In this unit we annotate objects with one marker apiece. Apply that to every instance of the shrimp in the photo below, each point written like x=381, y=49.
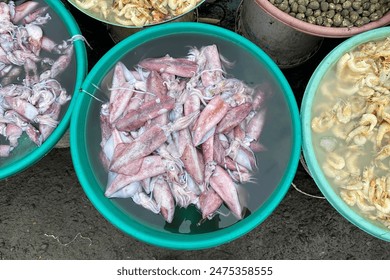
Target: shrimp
x=383, y=129
x=366, y=125
x=323, y=122
x=336, y=161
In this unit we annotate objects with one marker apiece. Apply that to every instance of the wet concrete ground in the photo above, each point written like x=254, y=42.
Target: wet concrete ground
x=44, y=213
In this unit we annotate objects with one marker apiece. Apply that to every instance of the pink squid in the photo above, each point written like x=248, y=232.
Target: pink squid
x=223, y=185
x=164, y=198
x=177, y=66
x=121, y=93
x=149, y=141
x=212, y=114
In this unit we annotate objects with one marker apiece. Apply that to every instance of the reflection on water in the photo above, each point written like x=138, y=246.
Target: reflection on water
x=190, y=221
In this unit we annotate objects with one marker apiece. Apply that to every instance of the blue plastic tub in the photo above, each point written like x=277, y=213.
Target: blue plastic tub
x=62, y=26
x=369, y=226
x=282, y=137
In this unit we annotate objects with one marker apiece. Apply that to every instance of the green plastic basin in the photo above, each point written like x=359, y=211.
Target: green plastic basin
x=281, y=136
x=27, y=153
x=316, y=172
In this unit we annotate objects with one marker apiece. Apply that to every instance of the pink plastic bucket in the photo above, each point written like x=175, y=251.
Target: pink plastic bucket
x=316, y=30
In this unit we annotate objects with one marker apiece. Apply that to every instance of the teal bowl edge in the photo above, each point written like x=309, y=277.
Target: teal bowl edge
x=308, y=151
x=51, y=141
x=134, y=228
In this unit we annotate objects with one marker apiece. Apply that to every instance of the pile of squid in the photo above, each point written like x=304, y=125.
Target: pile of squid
x=30, y=94
x=178, y=132
x=137, y=12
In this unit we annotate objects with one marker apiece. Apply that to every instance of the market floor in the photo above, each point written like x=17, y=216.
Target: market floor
x=44, y=213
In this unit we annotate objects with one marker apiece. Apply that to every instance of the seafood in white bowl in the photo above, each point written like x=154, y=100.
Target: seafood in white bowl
x=136, y=13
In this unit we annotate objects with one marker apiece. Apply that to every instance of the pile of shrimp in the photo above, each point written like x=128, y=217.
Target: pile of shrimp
x=138, y=12
x=178, y=132
x=353, y=123
x=30, y=94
